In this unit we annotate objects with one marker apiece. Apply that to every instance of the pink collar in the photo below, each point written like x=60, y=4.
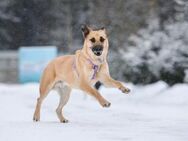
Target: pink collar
x=94, y=67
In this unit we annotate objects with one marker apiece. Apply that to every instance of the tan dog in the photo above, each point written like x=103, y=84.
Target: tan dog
x=80, y=71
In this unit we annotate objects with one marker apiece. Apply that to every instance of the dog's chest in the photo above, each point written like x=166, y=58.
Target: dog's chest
x=93, y=73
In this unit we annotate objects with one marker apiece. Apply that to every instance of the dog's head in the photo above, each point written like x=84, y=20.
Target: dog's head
x=95, y=42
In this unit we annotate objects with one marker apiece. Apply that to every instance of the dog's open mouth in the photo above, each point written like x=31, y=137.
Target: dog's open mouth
x=97, y=50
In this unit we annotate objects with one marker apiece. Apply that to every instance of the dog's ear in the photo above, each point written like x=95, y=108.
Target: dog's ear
x=85, y=30
x=104, y=29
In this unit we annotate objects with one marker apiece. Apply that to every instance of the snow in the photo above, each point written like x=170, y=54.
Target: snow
x=154, y=112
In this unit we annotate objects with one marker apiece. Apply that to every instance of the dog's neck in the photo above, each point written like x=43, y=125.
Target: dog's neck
x=96, y=61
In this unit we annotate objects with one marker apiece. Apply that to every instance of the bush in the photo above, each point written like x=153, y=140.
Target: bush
x=156, y=54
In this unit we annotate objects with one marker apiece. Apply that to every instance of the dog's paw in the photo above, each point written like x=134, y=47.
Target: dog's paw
x=35, y=119
x=64, y=121
x=107, y=104
x=125, y=90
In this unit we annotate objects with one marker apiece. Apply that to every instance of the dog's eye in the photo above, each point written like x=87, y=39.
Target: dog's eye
x=102, y=39
x=92, y=40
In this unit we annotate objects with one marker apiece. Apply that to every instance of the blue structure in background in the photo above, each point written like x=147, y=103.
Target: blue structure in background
x=32, y=61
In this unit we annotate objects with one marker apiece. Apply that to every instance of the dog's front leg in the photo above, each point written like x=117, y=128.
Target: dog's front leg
x=110, y=82
x=93, y=92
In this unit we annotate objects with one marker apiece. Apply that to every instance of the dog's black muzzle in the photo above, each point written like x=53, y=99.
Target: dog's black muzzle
x=97, y=50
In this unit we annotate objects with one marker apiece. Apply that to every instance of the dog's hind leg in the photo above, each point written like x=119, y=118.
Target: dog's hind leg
x=64, y=93
x=46, y=84
x=43, y=94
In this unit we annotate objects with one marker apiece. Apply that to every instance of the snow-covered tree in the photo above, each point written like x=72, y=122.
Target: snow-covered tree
x=158, y=54
x=7, y=19
x=159, y=51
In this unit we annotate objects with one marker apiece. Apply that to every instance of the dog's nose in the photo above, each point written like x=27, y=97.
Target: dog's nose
x=97, y=50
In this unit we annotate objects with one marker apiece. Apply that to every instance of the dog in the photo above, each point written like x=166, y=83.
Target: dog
x=80, y=71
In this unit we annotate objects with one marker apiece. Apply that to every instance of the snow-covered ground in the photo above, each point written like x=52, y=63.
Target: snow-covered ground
x=154, y=112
